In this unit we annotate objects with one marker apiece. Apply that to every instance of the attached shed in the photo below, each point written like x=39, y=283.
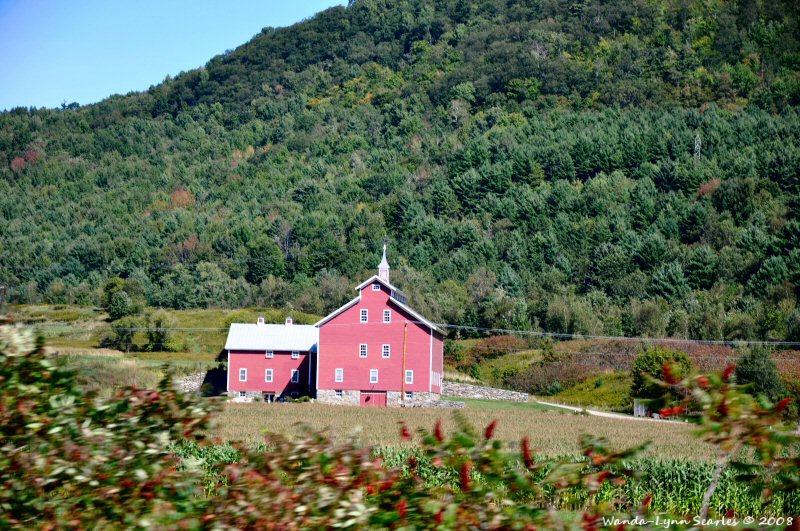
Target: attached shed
x=270, y=361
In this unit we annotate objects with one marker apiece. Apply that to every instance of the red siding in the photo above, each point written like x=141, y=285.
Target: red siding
x=339, y=341
x=281, y=364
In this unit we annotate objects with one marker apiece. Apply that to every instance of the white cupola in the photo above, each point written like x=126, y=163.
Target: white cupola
x=383, y=267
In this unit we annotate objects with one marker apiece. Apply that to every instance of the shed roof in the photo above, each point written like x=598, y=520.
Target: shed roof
x=280, y=337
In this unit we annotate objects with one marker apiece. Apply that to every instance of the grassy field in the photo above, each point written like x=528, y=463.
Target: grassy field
x=551, y=432
x=607, y=391
x=73, y=328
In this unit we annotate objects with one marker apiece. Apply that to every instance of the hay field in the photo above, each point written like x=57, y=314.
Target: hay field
x=551, y=432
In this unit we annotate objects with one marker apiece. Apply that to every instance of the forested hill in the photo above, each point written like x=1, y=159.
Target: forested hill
x=627, y=166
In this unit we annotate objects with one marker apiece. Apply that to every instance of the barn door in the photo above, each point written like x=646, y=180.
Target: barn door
x=373, y=398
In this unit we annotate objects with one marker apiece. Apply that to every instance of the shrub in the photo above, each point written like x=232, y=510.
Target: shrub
x=159, y=337
x=122, y=334
x=496, y=346
x=70, y=458
x=120, y=305
x=648, y=367
x=757, y=370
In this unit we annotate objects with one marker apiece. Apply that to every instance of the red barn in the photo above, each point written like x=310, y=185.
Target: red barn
x=269, y=361
x=373, y=351
x=376, y=350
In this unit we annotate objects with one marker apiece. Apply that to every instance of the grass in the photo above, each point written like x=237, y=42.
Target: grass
x=492, y=371
x=76, y=327
x=607, y=391
x=501, y=405
x=551, y=432
x=105, y=374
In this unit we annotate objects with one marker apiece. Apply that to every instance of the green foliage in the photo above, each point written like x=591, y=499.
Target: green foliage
x=522, y=158
x=610, y=391
x=758, y=372
x=648, y=369
x=159, y=336
x=67, y=455
x=120, y=305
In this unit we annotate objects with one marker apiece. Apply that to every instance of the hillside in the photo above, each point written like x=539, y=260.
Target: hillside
x=624, y=167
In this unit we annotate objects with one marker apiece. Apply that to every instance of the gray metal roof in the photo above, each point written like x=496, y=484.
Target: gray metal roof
x=280, y=337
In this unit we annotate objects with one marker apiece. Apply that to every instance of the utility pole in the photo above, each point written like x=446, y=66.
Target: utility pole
x=403, y=375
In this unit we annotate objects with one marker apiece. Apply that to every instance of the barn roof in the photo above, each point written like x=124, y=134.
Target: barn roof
x=419, y=318
x=416, y=315
x=280, y=337
x=376, y=278
x=336, y=312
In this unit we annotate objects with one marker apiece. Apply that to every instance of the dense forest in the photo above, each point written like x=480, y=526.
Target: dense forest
x=580, y=166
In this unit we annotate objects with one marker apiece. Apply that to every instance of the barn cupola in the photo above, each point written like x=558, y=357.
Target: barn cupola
x=383, y=267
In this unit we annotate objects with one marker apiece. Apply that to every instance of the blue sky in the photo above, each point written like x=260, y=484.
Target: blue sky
x=85, y=50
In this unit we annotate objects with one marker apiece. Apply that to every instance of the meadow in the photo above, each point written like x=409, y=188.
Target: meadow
x=551, y=432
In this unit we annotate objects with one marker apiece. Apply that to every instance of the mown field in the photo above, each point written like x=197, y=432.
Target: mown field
x=552, y=432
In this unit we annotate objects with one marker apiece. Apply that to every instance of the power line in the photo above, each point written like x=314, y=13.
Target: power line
x=505, y=331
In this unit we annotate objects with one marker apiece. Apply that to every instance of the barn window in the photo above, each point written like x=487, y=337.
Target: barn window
x=339, y=375
x=376, y=287
x=295, y=376
x=242, y=394
x=242, y=375
x=268, y=375
x=339, y=393
x=364, y=316
x=387, y=351
x=373, y=376
x=362, y=350
x=409, y=377
x=270, y=354
x=409, y=395
x=295, y=355
x=387, y=316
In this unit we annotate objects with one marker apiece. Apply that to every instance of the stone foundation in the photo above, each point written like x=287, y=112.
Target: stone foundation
x=353, y=398
x=250, y=396
x=348, y=398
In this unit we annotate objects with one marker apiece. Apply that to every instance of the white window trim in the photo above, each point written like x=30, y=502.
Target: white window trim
x=242, y=394
x=295, y=354
x=339, y=393
x=269, y=375
x=409, y=395
x=338, y=375
x=409, y=372
x=295, y=376
x=242, y=372
x=387, y=314
x=376, y=287
x=373, y=372
x=364, y=316
x=270, y=354
x=363, y=350
x=386, y=351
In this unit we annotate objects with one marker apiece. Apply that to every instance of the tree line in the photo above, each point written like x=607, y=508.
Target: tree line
x=625, y=168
